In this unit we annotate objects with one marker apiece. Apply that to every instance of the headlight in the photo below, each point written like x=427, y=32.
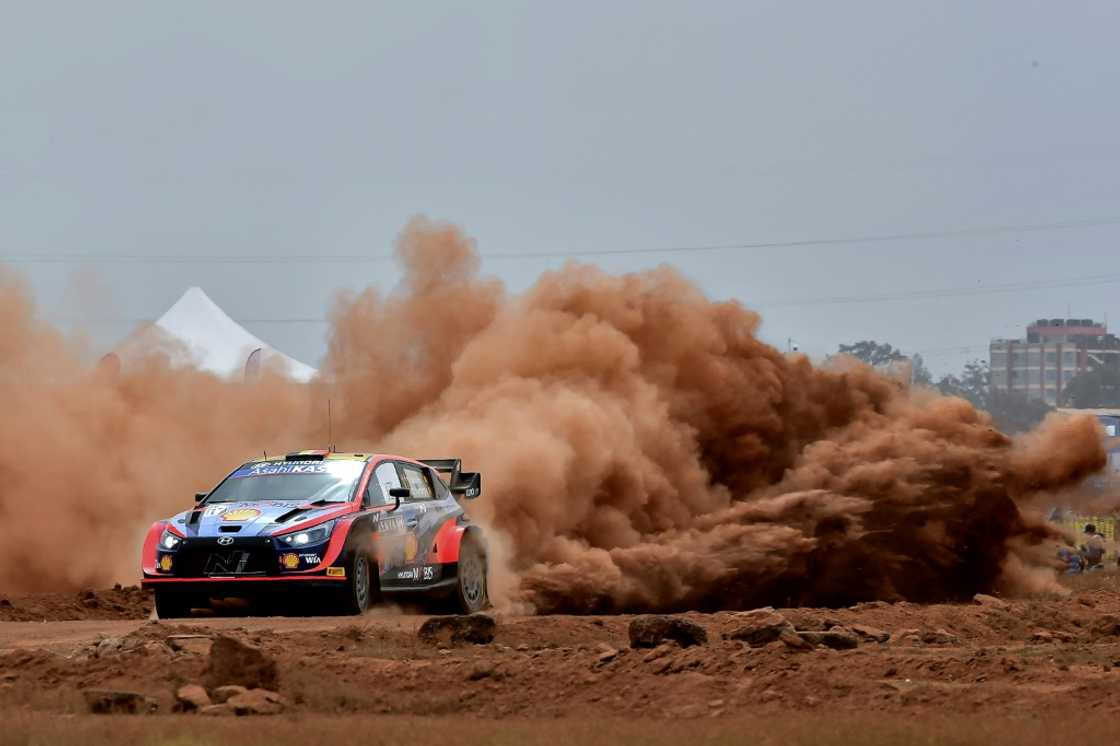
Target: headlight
x=169, y=540
x=316, y=535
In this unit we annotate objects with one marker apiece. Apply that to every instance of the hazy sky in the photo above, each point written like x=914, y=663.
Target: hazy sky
x=271, y=128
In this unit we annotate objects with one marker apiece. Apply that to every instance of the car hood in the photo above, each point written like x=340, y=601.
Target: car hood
x=259, y=518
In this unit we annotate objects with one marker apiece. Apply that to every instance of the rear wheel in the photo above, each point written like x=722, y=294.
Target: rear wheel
x=470, y=590
x=172, y=604
x=359, y=585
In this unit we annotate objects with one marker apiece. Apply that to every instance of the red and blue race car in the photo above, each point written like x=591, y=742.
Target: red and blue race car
x=345, y=528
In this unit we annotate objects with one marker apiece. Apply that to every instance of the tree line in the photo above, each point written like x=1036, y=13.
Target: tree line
x=1011, y=411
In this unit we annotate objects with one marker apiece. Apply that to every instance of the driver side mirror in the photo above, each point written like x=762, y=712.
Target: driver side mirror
x=199, y=497
x=397, y=493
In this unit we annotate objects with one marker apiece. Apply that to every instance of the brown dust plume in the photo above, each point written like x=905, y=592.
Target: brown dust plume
x=641, y=448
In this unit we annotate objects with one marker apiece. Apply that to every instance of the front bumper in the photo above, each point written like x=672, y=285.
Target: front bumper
x=249, y=559
x=246, y=587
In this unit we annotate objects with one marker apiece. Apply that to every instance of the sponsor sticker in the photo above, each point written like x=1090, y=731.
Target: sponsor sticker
x=290, y=561
x=311, y=559
x=336, y=572
x=411, y=547
x=240, y=514
x=429, y=572
x=165, y=563
x=393, y=525
x=266, y=468
x=213, y=510
x=413, y=573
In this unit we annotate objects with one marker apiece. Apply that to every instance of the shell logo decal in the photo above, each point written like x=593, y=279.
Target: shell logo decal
x=411, y=547
x=241, y=514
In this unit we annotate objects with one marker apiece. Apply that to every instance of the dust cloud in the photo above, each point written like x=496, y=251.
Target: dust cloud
x=641, y=448
x=89, y=459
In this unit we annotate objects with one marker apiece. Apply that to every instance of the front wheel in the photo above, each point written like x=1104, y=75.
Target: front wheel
x=470, y=590
x=171, y=604
x=359, y=584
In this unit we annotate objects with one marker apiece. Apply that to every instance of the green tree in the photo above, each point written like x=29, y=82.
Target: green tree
x=1099, y=387
x=973, y=384
x=919, y=373
x=1012, y=412
x=872, y=353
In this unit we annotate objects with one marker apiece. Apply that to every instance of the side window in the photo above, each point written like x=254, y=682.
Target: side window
x=442, y=493
x=385, y=478
x=417, y=482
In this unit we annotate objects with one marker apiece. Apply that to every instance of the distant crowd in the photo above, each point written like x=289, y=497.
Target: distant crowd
x=1089, y=556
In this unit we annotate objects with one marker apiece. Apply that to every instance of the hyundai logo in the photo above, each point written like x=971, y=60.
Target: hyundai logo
x=225, y=541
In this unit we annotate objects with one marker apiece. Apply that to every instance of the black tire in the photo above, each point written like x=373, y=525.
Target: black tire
x=471, y=588
x=171, y=604
x=358, y=594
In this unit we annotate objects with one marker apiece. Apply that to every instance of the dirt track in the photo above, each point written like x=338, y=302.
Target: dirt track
x=1018, y=656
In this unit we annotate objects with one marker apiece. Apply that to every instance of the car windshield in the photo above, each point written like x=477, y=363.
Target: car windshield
x=310, y=481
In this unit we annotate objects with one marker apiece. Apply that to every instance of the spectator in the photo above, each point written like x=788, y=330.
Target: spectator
x=1092, y=551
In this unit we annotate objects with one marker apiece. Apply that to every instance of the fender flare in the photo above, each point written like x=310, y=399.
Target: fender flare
x=359, y=536
x=148, y=552
x=449, y=539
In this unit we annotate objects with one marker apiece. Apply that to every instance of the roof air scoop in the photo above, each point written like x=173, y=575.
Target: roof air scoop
x=304, y=457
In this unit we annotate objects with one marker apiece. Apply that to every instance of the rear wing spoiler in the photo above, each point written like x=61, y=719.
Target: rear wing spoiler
x=466, y=484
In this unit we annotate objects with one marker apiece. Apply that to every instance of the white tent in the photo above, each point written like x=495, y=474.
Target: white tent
x=196, y=331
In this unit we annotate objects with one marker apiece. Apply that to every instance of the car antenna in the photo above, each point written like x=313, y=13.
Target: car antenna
x=330, y=429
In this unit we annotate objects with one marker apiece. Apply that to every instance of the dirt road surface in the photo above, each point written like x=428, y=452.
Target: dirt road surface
x=946, y=663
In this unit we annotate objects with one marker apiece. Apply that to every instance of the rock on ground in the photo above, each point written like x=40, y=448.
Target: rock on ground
x=248, y=702
x=459, y=628
x=222, y=693
x=870, y=634
x=115, y=702
x=926, y=637
x=256, y=702
x=760, y=626
x=651, y=630
x=191, y=697
x=990, y=602
x=234, y=662
x=837, y=638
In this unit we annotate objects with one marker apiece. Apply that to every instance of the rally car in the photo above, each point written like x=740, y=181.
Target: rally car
x=345, y=527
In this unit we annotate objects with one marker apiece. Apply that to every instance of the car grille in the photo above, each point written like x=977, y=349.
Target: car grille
x=200, y=558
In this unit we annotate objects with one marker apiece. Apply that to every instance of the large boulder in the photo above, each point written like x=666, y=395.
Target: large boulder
x=234, y=662
x=116, y=702
x=654, y=629
x=759, y=627
x=459, y=628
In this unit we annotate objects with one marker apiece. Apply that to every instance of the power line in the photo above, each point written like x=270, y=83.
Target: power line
x=63, y=257
x=1010, y=287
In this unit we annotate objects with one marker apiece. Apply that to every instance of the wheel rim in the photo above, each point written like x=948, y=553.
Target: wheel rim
x=361, y=582
x=472, y=577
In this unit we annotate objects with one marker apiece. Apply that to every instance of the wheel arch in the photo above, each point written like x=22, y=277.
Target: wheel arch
x=449, y=540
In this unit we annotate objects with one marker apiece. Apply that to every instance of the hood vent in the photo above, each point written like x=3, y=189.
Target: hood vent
x=290, y=515
x=229, y=529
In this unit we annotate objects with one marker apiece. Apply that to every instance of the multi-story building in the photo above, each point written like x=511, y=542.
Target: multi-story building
x=1054, y=351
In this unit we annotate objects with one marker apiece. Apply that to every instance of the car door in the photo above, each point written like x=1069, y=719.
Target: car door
x=423, y=519
x=392, y=526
